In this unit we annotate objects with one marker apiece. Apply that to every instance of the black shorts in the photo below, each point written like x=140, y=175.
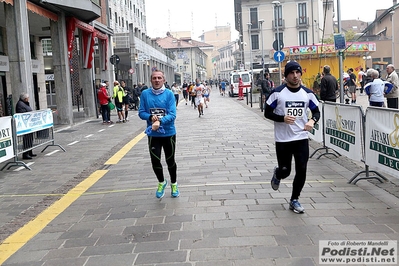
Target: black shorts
x=119, y=106
x=126, y=100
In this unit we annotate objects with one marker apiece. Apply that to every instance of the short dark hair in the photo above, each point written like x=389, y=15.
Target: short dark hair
x=326, y=69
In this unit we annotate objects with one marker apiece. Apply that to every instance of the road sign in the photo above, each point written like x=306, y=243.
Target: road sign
x=279, y=56
x=143, y=57
x=339, y=41
x=131, y=71
x=114, y=59
x=275, y=45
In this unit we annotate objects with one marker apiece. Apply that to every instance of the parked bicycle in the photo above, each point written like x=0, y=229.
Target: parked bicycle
x=346, y=92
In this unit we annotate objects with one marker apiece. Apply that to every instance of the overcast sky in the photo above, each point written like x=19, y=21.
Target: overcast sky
x=198, y=16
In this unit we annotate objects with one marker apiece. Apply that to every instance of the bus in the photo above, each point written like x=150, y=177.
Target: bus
x=235, y=75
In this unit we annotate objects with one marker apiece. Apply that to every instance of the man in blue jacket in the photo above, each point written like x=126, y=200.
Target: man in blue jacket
x=158, y=108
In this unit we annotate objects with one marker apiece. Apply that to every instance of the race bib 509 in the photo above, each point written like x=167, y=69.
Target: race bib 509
x=293, y=108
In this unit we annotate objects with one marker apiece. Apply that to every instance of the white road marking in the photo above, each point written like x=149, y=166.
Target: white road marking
x=51, y=153
x=23, y=167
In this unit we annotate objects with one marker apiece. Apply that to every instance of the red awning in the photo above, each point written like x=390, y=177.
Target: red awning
x=88, y=35
x=40, y=11
x=11, y=2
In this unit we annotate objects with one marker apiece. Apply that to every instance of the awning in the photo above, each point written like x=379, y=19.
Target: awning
x=86, y=10
x=40, y=11
x=88, y=40
x=11, y=2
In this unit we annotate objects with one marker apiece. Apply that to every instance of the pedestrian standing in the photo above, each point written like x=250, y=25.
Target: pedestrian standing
x=352, y=84
x=126, y=98
x=176, y=91
x=185, y=93
x=136, y=95
x=286, y=106
x=118, y=96
x=223, y=87
x=328, y=86
x=392, y=97
x=361, y=77
x=375, y=89
x=104, y=99
x=158, y=108
x=240, y=89
x=23, y=106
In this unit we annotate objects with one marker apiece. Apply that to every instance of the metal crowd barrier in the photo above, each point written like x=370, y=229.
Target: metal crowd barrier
x=371, y=137
x=27, y=131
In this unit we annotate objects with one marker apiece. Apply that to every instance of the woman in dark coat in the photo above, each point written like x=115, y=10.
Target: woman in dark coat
x=24, y=107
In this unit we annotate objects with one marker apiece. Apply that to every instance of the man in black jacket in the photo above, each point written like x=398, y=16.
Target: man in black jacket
x=328, y=86
x=23, y=106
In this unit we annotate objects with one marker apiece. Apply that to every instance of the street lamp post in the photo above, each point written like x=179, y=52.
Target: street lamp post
x=250, y=56
x=250, y=45
x=263, y=52
x=242, y=53
x=263, y=62
x=277, y=23
x=393, y=38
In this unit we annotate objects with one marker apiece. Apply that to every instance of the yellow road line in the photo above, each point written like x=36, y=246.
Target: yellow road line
x=122, y=152
x=150, y=188
x=15, y=241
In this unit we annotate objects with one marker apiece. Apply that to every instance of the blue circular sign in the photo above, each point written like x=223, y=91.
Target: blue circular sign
x=279, y=56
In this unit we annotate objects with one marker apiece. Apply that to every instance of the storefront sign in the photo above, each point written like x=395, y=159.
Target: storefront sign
x=4, y=63
x=35, y=66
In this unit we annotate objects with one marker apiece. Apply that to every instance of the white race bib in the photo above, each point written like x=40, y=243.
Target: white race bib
x=295, y=108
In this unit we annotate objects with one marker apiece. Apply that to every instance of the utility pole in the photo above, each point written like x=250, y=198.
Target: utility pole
x=277, y=23
x=263, y=51
x=341, y=82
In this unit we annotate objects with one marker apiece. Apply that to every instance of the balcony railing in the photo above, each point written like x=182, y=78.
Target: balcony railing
x=97, y=2
x=302, y=22
x=280, y=23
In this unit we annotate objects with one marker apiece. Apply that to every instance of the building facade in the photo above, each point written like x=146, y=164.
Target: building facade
x=50, y=33
x=228, y=60
x=385, y=34
x=67, y=49
x=289, y=22
x=218, y=38
x=190, y=57
x=138, y=53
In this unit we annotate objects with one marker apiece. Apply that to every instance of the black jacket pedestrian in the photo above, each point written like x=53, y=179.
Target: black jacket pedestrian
x=22, y=107
x=328, y=88
x=27, y=139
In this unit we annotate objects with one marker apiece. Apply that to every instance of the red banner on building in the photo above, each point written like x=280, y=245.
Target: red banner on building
x=88, y=40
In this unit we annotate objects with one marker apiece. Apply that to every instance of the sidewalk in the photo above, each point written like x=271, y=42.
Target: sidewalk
x=227, y=213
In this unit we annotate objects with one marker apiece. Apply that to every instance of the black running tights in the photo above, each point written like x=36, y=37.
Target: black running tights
x=300, y=150
x=155, y=145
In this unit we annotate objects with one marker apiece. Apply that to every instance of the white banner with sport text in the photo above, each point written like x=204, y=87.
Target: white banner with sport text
x=33, y=121
x=382, y=139
x=344, y=129
x=316, y=133
x=6, y=141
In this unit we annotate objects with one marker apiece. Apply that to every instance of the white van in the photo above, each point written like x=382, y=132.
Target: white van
x=235, y=76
